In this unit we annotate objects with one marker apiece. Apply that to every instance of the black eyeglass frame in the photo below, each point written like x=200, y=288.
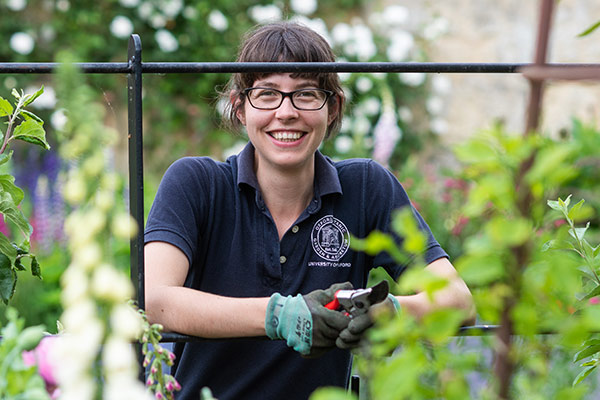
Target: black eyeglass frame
x=328, y=95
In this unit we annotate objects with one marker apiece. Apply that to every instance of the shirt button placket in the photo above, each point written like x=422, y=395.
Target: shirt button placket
x=282, y=259
x=295, y=229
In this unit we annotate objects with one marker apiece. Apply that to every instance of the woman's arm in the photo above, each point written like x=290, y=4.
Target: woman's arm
x=192, y=312
x=455, y=295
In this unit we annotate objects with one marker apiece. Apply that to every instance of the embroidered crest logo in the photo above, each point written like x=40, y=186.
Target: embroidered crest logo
x=330, y=238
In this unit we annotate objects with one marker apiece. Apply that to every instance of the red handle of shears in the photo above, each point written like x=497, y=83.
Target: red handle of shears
x=334, y=304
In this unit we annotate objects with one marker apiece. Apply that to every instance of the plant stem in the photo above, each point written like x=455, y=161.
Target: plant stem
x=11, y=121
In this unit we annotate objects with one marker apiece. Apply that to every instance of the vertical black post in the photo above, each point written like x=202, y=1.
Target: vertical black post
x=136, y=173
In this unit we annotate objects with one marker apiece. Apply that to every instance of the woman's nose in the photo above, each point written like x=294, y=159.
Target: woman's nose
x=287, y=110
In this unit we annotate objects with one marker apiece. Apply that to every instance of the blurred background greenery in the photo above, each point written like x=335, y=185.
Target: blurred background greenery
x=393, y=118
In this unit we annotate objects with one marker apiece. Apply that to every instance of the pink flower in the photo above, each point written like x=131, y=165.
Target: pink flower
x=594, y=300
x=40, y=356
x=170, y=386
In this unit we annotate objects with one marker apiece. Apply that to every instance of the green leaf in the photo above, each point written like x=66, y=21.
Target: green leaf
x=29, y=115
x=590, y=29
x=7, y=248
x=13, y=214
x=4, y=158
x=30, y=98
x=480, y=269
x=35, y=268
x=593, y=293
x=7, y=184
x=8, y=279
x=331, y=393
x=31, y=131
x=5, y=107
x=509, y=232
x=555, y=205
x=579, y=233
x=575, y=209
x=591, y=347
x=583, y=374
x=19, y=265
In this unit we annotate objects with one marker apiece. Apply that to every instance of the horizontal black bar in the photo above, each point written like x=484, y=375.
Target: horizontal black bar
x=233, y=67
x=475, y=330
x=47, y=68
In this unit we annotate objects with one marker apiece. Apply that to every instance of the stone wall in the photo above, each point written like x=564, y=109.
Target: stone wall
x=504, y=31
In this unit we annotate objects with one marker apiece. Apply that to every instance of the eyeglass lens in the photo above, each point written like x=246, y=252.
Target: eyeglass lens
x=303, y=99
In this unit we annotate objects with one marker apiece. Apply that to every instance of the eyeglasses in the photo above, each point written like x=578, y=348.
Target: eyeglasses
x=265, y=98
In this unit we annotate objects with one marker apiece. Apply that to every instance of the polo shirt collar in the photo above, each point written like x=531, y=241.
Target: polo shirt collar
x=327, y=180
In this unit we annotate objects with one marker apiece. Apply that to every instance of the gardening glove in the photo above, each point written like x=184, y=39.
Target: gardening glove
x=303, y=321
x=351, y=337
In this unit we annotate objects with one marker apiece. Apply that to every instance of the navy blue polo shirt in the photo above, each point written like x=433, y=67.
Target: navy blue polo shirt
x=214, y=212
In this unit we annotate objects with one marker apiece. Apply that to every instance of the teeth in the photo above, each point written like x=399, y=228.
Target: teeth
x=291, y=136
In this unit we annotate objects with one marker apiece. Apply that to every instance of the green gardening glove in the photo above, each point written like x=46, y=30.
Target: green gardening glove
x=303, y=321
x=351, y=337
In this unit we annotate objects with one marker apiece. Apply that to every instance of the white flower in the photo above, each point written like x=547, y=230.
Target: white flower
x=126, y=322
x=121, y=27
x=88, y=255
x=78, y=316
x=16, y=5
x=129, y=3
x=217, y=21
x=75, y=285
x=58, y=119
x=263, y=14
x=361, y=126
x=120, y=387
x=439, y=126
x=190, y=12
x=412, y=78
x=371, y=106
x=166, y=41
x=401, y=43
x=441, y=84
x=158, y=21
x=363, y=39
x=145, y=10
x=22, y=43
x=405, y=114
x=304, y=7
x=436, y=28
x=341, y=33
x=343, y=144
x=110, y=284
x=364, y=84
x=316, y=24
x=434, y=105
x=395, y=15
x=171, y=8
x=124, y=226
x=63, y=5
x=78, y=389
x=118, y=357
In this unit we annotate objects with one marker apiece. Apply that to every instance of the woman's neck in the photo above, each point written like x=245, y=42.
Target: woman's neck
x=286, y=193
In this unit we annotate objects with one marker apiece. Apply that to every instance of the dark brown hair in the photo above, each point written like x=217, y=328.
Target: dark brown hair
x=282, y=42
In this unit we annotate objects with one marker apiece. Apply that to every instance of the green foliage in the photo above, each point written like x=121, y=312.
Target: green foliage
x=589, y=257
x=17, y=380
x=155, y=357
x=21, y=125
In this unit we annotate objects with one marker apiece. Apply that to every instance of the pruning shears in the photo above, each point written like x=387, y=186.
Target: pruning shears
x=357, y=302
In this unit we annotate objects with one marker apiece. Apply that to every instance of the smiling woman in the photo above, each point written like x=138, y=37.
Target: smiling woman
x=258, y=245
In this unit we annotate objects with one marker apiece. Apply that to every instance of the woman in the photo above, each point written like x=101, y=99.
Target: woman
x=258, y=245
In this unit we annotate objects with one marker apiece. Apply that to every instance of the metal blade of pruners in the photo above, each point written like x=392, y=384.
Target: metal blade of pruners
x=357, y=302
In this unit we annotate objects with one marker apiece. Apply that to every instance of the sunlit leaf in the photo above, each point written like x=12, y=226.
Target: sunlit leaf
x=33, y=132
x=575, y=209
x=29, y=115
x=5, y=107
x=7, y=184
x=13, y=214
x=579, y=233
x=480, y=269
x=591, y=347
x=30, y=98
x=7, y=248
x=555, y=205
x=331, y=393
x=583, y=374
x=509, y=232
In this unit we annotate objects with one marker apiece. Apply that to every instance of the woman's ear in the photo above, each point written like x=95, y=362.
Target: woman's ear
x=333, y=109
x=237, y=106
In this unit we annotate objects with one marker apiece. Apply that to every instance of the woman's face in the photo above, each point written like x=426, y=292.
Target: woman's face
x=285, y=138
